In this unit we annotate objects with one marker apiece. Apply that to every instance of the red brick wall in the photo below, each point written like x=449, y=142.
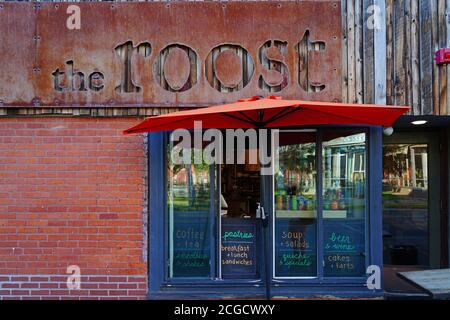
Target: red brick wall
x=72, y=193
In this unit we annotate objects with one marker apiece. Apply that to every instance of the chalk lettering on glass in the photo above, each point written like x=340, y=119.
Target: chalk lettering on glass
x=237, y=235
x=344, y=248
x=238, y=248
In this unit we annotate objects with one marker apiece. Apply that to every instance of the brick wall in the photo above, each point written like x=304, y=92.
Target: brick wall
x=72, y=192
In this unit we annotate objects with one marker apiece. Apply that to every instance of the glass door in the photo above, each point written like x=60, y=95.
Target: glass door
x=240, y=230
x=411, y=216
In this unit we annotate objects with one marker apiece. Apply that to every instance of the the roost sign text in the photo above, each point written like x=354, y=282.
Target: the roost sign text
x=170, y=54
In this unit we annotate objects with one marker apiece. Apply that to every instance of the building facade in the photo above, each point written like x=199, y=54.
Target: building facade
x=80, y=198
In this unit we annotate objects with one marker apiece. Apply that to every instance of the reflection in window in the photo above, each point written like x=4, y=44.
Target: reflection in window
x=405, y=204
x=295, y=206
x=344, y=202
x=189, y=206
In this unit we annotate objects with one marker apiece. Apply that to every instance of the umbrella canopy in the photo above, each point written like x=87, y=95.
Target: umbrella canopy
x=273, y=112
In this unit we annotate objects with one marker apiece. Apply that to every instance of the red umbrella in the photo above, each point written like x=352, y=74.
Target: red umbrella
x=273, y=112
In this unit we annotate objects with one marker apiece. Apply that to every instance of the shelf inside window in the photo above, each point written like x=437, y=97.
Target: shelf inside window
x=308, y=214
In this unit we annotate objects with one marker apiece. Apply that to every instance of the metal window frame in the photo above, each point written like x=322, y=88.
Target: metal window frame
x=159, y=287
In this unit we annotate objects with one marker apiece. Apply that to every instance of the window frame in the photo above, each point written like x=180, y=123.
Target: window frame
x=320, y=276
x=160, y=286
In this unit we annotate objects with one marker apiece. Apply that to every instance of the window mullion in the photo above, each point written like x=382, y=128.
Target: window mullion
x=319, y=191
x=212, y=225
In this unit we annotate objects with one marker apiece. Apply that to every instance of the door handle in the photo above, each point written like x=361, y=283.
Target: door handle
x=260, y=213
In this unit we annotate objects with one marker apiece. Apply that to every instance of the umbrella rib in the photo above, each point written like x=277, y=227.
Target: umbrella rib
x=282, y=113
x=246, y=116
x=275, y=116
x=260, y=116
x=239, y=119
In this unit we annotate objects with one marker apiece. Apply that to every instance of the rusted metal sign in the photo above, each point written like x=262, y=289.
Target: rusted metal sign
x=168, y=54
x=17, y=53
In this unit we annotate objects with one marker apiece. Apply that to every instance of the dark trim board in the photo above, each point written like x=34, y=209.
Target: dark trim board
x=444, y=170
x=156, y=207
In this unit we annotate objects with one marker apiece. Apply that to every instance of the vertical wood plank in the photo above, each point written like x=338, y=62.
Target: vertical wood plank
x=434, y=48
x=316, y=47
x=215, y=53
x=415, y=65
x=251, y=65
x=447, y=67
x=442, y=32
x=368, y=54
x=399, y=53
x=380, y=55
x=407, y=53
x=351, y=51
x=164, y=83
x=302, y=49
x=265, y=64
x=194, y=75
x=425, y=57
x=359, y=77
x=209, y=69
x=344, y=51
x=389, y=54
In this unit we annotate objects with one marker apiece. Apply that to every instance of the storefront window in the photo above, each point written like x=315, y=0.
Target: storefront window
x=344, y=203
x=189, y=221
x=295, y=206
x=214, y=225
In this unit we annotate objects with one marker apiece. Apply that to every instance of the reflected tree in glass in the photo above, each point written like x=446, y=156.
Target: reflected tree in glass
x=189, y=212
x=344, y=203
x=295, y=207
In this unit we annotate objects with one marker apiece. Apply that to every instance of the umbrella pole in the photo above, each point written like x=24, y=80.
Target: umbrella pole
x=265, y=225
x=266, y=261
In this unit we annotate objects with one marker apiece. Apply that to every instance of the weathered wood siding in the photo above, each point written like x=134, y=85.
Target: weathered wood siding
x=415, y=30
